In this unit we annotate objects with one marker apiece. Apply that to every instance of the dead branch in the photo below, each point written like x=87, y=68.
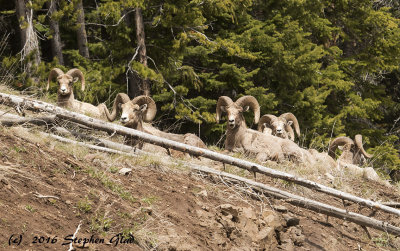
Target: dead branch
x=38, y=195
x=61, y=113
x=96, y=141
x=99, y=148
x=392, y=204
x=74, y=236
x=7, y=119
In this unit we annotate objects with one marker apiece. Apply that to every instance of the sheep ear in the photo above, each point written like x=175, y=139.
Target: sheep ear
x=289, y=123
x=246, y=108
x=120, y=105
x=223, y=108
x=75, y=80
x=143, y=107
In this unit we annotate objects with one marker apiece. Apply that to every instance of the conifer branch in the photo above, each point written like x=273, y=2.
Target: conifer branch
x=112, y=25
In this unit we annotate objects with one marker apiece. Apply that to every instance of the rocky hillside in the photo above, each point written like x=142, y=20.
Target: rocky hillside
x=51, y=190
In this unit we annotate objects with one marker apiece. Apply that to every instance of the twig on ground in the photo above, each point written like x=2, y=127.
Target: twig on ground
x=38, y=195
x=74, y=236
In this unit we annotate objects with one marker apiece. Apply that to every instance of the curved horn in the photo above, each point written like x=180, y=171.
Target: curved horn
x=358, y=141
x=290, y=131
x=55, y=72
x=121, y=98
x=76, y=73
x=151, y=107
x=253, y=103
x=290, y=117
x=222, y=101
x=339, y=141
x=266, y=118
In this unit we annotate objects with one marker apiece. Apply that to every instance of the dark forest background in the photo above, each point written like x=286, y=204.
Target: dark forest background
x=334, y=64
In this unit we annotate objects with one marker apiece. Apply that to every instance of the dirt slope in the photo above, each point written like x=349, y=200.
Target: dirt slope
x=163, y=208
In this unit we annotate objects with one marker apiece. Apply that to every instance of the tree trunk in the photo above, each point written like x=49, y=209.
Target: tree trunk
x=20, y=9
x=132, y=78
x=139, y=86
x=29, y=41
x=134, y=86
x=81, y=32
x=56, y=46
x=63, y=114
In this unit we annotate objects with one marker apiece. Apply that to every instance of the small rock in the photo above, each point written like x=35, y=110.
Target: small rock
x=271, y=219
x=297, y=236
x=125, y=171
x=266, y=234
x=230, y=210
x=206, y=208
x=147, y=210
x=68, y=202
x=286, y=241
x=203, y=193
x=280, y=208
x=329, y=176
x=249, y=213
x=250, y=228
x=291, y=220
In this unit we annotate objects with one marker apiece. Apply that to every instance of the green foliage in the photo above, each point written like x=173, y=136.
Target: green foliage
x=84, y=205
x=386, y=157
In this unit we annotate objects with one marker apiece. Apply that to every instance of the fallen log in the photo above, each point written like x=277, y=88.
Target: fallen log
x=265, y=189
x=96, y=141
x=392, y=204
x=94, y=147
x=8, y=119
x=61, y=113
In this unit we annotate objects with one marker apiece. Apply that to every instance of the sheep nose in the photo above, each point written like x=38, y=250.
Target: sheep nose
x=231, y=121
x=63, y=89
x=124, y=119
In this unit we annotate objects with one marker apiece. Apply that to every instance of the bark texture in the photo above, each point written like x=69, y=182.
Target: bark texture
x=56, y=45
x=81, y=32
x=138, y=86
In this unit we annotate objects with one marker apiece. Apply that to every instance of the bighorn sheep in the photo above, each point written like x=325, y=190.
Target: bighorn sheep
x=143, y=109
x=323, y=158
x=66, y=92
x=353, y=151
x=240, y=138
x=279, y=126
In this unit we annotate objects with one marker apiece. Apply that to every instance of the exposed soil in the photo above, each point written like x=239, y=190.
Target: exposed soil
x=163, y=208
